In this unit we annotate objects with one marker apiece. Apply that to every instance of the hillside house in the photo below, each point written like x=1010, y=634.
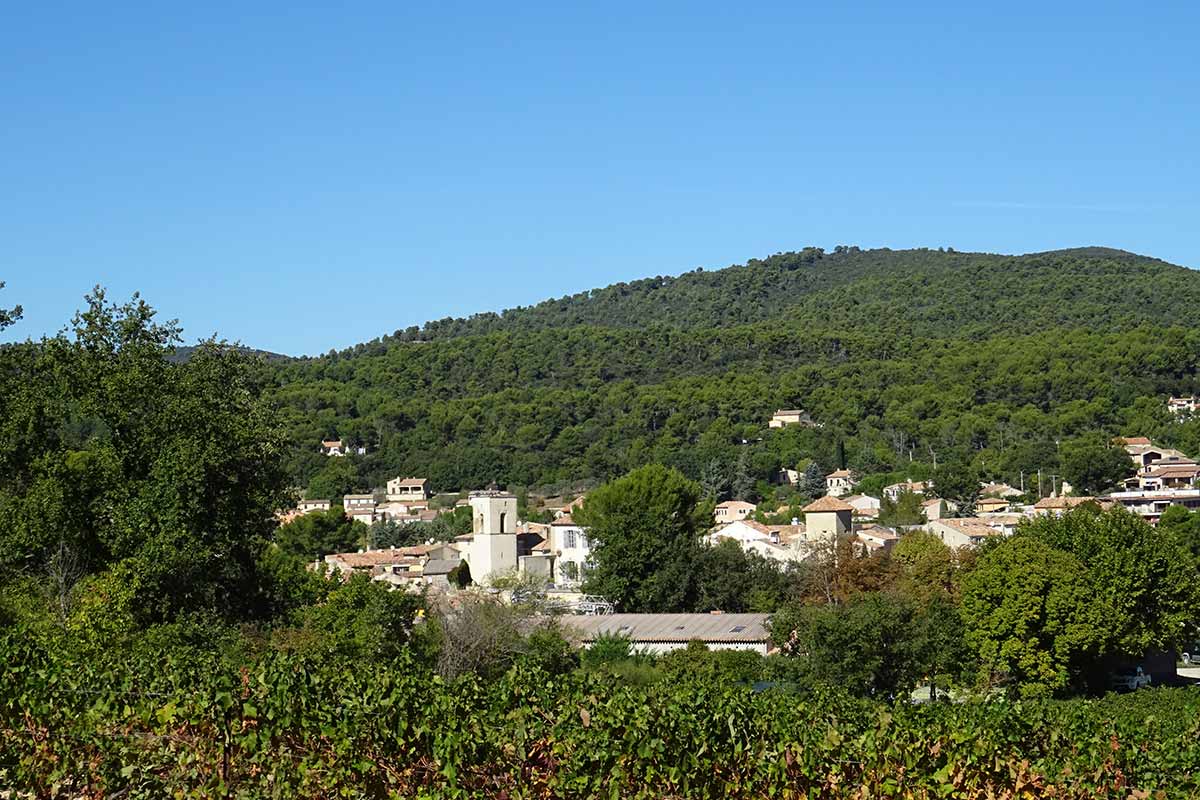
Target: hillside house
x=937, y=507
x=1150, y=505
x=999, y=490
x=785, y=417
x=732, y=510
x=894, y=491
x=1166, y=476
x=333, y=447
x=1183, y=406
x=662, y=633
x=408, y=490
x=839, y=482
x=309, y=506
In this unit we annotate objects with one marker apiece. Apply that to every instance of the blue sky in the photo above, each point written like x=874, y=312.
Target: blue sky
x=306, y=176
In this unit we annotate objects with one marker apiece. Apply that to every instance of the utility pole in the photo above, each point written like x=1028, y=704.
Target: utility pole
x=1022, y=481
x=1039, y=483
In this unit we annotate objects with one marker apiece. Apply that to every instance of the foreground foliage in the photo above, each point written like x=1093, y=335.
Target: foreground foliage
x=301, y=726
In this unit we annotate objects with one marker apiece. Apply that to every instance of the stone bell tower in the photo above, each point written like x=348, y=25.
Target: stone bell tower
x=493, y=551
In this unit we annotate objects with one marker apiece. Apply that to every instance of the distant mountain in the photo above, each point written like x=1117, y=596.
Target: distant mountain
x=184, y=353
x=1042, y=288
x=899, y=354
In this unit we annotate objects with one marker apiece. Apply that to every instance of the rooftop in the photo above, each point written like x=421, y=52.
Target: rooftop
x=674, y=627
x=827, y=503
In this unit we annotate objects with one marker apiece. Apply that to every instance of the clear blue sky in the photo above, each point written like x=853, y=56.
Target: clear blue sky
x=307, y=176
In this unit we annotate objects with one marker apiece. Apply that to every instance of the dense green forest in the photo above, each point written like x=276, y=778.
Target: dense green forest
x=902, y=356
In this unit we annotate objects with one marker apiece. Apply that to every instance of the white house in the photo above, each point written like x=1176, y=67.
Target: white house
x=776, y=542
x=732, y=510
x=308, y=506
x=571, y=550
x=333, y=447
x=1183, y=406
x=411, y=490
x=864, y=505
x=839, y=482
x=894, y=491
x=789, y=416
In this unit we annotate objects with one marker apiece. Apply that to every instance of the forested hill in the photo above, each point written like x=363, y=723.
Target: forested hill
x=1062, y=287
x=990, y=360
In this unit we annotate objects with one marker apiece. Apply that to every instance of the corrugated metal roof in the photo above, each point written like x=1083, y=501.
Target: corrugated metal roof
x=674, y=627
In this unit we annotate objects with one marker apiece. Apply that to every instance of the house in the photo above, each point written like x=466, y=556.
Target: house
x=359, y=507
x=827, y=519
x=309, y=506
x=1163, y=475
x=785, y=476
x=333, y=447
x=785, y=417
x=839, y=482
x=1151, y=504
x=864, y=505
x=571, y=550
x=958, y=532
x=999, y=490
x=894, y=491
x=777, y=542
x=732, y=510
x=873, y=538
x=411, y=490
x=1057, y=506
x=937, y=507
x=1145, y=454
x=1183, y=406
x=399, y=567
x=991, y=505
x=662, y=633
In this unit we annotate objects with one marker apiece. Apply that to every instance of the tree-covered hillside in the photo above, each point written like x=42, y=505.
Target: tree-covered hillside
x=986, y=360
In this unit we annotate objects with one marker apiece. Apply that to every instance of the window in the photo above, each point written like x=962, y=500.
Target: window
x=737, y=629
x=569, y=539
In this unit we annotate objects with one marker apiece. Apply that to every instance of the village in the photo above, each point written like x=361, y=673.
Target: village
x=507, y=555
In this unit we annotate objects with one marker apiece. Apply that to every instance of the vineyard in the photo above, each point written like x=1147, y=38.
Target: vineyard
x=163, y=725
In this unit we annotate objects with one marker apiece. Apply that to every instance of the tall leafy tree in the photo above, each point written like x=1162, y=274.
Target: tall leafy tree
x=161, y=476
x=644, y=529
x=1093, y=466
x=1146, y=577
x=1033, y=617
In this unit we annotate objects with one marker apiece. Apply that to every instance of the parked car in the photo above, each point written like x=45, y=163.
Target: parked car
x=1129, y=682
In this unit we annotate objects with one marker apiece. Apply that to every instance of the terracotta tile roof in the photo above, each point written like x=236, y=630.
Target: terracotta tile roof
x=970, y=526
x=565, y=519
x=418, y=482
x=839, y=473
x=1065, y=502
x=737, y=504
x=827, y=503
x=1175, y=471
